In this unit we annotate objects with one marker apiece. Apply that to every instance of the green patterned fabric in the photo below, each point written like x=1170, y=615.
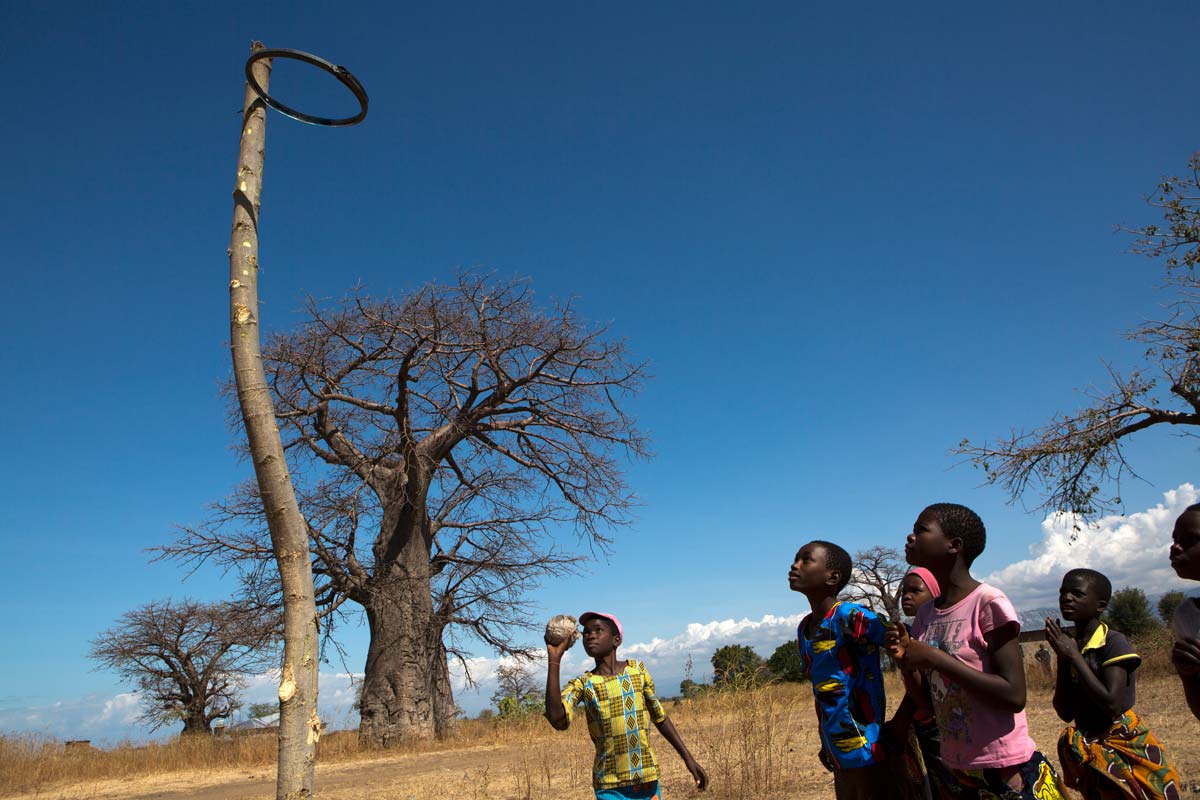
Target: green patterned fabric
x=1127, y=762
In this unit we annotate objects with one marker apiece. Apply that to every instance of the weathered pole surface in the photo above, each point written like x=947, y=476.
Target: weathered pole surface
x=299, y=726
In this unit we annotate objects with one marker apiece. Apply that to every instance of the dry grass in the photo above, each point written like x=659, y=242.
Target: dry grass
x=753, y=743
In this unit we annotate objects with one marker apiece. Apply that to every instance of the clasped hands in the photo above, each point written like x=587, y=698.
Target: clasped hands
x=906, y=651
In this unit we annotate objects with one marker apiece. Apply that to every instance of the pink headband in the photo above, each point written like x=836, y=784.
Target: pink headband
x=927, y=576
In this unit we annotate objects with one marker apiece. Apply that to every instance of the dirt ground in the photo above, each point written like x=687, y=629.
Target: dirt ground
x=552, y=764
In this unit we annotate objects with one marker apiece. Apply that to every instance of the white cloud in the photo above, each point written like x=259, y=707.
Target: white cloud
x=666, y=658
x=123, y=709
x=1131, y=550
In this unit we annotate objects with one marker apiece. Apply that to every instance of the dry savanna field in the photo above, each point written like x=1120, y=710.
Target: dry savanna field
x=754, y=743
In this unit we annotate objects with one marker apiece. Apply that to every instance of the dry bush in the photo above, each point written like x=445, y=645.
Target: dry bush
x=758, y=742
x=30, y=762
x=1155, y=649
x=746, y=736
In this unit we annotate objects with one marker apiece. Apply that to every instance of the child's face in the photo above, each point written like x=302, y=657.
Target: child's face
x=599, y=639
x=927, y=545
x=913, y=594
x=1185, y=546
x=1078, y=601
x=809, y=572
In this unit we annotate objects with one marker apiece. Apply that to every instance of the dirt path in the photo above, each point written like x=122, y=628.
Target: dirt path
x=332, y=781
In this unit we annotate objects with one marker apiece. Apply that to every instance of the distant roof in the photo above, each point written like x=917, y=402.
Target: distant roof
x=259, y=722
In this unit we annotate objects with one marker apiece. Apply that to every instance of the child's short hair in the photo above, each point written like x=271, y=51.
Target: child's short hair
x=960, y=522
x=1095, y=581
x=838, y=559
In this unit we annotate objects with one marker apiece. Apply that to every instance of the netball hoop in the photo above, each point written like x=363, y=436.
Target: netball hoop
x=341, y=73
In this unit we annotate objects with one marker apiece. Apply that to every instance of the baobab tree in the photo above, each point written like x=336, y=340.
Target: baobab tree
x=189, y=659
x=875, y=581
x=439, y=443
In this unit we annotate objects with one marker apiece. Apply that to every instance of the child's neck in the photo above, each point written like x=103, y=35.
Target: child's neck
x=820, y=605
x=955, y=582
x=1084, y=628
x=609, y=665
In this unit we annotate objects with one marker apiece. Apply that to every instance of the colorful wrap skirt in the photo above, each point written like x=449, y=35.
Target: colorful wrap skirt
x=1127, y=762
x=1037, y=779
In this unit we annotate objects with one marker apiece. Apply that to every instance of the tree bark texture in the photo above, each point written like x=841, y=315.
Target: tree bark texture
x=406, y=691
x=299, y=726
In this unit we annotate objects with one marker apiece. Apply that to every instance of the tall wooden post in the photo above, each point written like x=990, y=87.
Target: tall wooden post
x=299, y=726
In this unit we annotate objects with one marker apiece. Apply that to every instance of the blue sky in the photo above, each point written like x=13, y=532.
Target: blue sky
x=845, y=239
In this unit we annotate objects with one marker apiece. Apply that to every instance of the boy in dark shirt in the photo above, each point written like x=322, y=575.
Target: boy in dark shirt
x=1108, y=752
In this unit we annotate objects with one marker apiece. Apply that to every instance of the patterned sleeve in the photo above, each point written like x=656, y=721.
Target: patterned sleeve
x=863, y=626
x=1119, y=650
x=572, y=695
x=996, y=612
x=653, y=706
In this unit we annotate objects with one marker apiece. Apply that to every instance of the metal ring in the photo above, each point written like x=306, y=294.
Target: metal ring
x=341, y=73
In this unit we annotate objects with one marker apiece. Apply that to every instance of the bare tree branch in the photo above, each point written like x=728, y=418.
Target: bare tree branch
x=875, y=581
x=1070, y=460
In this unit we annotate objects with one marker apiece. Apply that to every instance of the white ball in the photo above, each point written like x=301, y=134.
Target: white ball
x=562, y=628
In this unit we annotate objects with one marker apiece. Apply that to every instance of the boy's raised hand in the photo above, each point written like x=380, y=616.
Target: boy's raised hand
x=554, y=652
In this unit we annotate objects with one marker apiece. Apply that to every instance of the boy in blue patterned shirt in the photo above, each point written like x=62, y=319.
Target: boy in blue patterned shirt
x=839, y=643
x=617, y=697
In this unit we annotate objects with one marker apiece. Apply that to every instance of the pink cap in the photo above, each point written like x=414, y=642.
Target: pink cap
x=585, y=616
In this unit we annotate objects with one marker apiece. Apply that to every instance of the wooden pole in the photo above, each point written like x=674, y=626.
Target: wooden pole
x=299, y=726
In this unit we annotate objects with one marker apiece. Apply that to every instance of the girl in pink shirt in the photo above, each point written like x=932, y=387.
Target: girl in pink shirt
x=964, y=644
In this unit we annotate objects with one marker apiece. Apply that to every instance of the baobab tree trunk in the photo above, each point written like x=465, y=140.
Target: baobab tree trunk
x=299, y=726
x=196, y=722
x=406, y=692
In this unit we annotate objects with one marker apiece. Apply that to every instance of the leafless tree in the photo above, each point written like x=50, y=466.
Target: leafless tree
x=876, y=580
x=514, y=681
x=1071, y=458
x=438, y=443
x=188, y=659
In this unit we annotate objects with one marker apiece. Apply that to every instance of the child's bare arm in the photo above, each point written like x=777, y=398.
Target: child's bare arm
x=1060, y=643
x=915, y=704
x=1003, y=688
x=1186, y=658
x=555, y=713
x=667, y=729
x=1061, y=703
x=1107, y=690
